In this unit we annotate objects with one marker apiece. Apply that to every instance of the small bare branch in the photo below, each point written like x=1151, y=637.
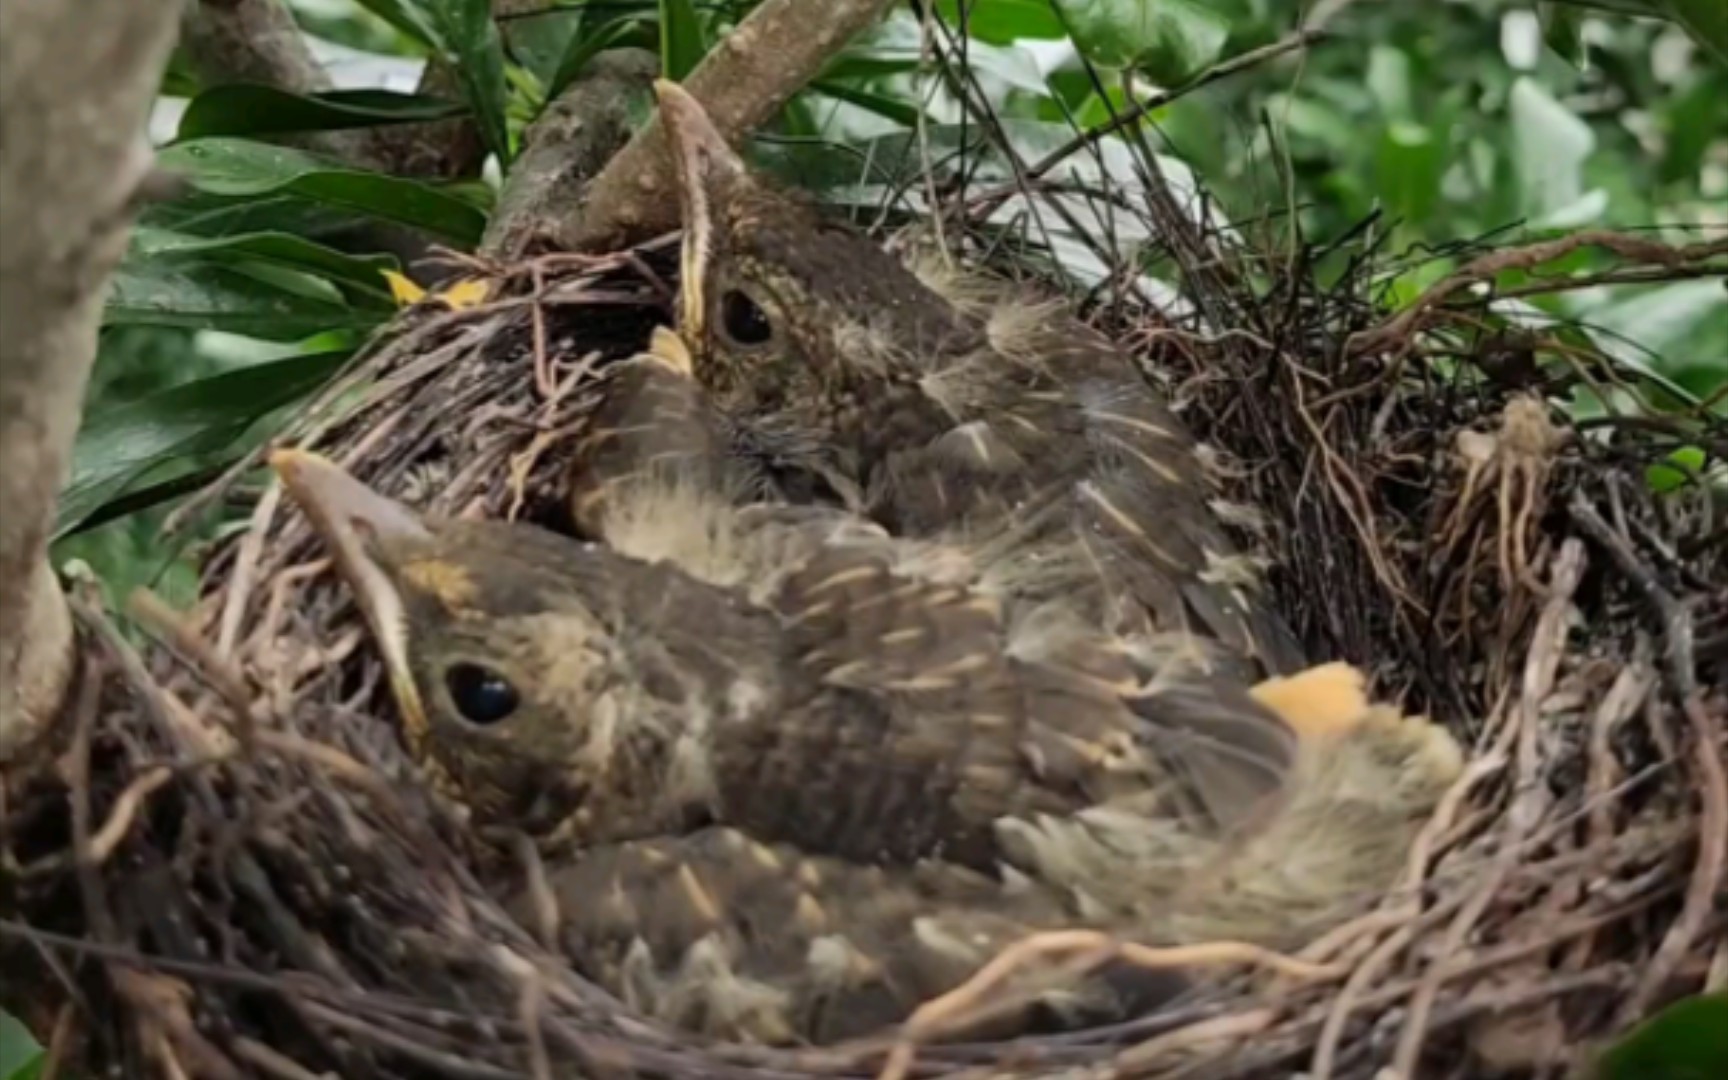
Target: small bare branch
x=566, y=148
x=766, y=59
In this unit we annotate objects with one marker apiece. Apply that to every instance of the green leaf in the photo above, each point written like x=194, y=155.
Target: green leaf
x=219, y=215
x=406, y=16
x=1563, y=30
x=124, y=543
x=1689, y=124
x=363, y=272
x=1688, y=463
x=895, y=109
x=1003, y=22
x=1407, y=167
x=20, y=1055
x=681, y=40
x=243, y=109
x=536, y=43
x=895, y=47
x=1170, y=40
x=1389, y=80
x=122, y=443
x=1686, y=1041
x=1662, y=319
x=31, y=1069
x=1705, y=20
x=589, y=43
x=238, y=300
x=465, y=33
x=1551, y=144
x=239, y=167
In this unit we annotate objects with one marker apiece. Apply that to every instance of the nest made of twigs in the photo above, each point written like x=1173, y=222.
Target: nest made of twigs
x=232, y=871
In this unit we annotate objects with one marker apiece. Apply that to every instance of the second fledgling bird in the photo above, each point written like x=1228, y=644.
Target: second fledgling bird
x=953, y=409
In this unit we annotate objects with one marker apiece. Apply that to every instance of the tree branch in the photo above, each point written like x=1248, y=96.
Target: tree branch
x=566, y=148
x=250, y=41
x=76, y=84
x=753, y=72
x=257, y=41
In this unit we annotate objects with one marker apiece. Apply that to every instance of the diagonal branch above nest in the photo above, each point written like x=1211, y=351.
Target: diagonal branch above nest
x=769, y=56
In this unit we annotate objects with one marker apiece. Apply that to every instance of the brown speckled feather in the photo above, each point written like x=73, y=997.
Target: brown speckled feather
x=935, y=764
x=718, y=933
x=985, y=420
x=913, y=695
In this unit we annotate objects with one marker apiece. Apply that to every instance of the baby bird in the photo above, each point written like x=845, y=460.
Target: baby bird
x=953, y=410
x=799, y=775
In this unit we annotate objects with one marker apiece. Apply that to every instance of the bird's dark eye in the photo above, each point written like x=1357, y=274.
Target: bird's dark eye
x=481, y=695
x=745, y=321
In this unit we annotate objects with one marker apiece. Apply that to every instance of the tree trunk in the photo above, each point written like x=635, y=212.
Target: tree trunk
x=76, y=84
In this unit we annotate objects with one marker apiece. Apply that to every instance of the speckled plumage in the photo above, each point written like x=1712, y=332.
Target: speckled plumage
x=973, y=414
x=898, y=635
x=794, y=775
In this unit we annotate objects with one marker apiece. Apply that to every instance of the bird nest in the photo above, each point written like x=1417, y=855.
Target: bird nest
x=231, y=869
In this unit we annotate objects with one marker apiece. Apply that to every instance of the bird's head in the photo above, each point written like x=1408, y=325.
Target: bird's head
x=552, y=684
x=781, y=306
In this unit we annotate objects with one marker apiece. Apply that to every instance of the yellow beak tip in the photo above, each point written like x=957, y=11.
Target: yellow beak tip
x=285, y=460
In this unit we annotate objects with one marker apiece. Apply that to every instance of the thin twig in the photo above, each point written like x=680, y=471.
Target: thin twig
x=1530, y=798
x=937, y=1015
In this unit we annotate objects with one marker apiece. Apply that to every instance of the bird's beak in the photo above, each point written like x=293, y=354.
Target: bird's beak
x=703, y=164
x=357, y=524
x=666, y=347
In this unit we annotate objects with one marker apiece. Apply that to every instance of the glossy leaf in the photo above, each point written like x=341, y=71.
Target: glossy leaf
x=406, y=16
x=236, y=167
x=1551, y=144
x=465, y=33
x=1170, y=40
x=285, y=249
x=895, y=47
x=1389, y=80
x=1705, y=20
x=590, y=42
x=1686, y=1041
x=1407, y=169
x=203, y=296
x=1003, y=22
x=119, y=444
x=242, y=109
x=1682, y=465
x=681, y=39
x=895, y=109
x=537, y=43
x=200, y=214
x=1563, y=30
x=18, y=1050
x=1690, y=124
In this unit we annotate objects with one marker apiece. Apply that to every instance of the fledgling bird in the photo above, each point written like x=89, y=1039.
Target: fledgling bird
x=953, y=409
x=801, y=775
